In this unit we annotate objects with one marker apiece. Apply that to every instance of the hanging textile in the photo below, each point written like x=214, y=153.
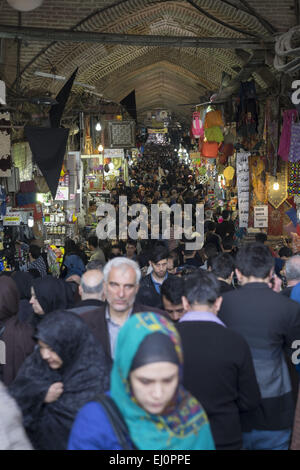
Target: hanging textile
x=275, y=220
x=271, y=133
x=294, y=179
x=214, y=134
x=247, y=112
x=277, y=197
x=5, y=146
x=88, y=146
x=242, y=171
x=197, y=126
x=22, y=158
x=210, y=149
x=294, y=155
x=213, y=118
x=289, y=116
x=259, y=193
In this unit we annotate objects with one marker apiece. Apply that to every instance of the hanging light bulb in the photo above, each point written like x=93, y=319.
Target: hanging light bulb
x=100, y=148
x=30, y=221
x=98, y=126
x=276, y=185
x=25, y=5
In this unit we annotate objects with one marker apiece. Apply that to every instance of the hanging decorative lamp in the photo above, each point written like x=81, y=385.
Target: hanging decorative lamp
x=25, y=5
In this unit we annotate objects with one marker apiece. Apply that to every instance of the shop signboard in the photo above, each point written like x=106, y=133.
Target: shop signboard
x=164, y=130
x=260, y=216
x=62, y=193
x=12, y=219
x=90, y=156
x=242, y=171
x=113, y=153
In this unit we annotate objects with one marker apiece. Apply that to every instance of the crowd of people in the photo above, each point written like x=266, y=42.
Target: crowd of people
x=145, y=344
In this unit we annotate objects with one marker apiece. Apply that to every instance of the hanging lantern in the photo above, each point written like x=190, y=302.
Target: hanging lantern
x=25, y=5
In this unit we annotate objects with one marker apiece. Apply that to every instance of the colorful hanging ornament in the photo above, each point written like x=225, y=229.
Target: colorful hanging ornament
x=294, y=178
x=197, y=126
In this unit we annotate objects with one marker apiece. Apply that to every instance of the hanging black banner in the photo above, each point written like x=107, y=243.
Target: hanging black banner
x=57, y=110
x=48, y=148
x=130, y=105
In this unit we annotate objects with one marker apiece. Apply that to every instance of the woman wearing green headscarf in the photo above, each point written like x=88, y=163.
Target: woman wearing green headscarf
x=146, y=387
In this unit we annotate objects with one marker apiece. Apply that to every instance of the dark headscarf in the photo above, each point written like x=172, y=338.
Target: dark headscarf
x=155, y=348
x=9, y=298
x=24, y=283
x=71, y=292
x=84, y=373
x=50, y=293
x=16, y=336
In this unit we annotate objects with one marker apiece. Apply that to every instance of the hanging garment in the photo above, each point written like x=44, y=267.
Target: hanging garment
x=213, y=118
x=214, y=134
x=197, y=126
x=285, y=140
x=294, y=179
x=210, y=149
x=247, y=112
x=294, y=155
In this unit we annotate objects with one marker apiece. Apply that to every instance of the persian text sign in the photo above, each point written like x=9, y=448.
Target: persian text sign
x=242, y=171
x=260, y=216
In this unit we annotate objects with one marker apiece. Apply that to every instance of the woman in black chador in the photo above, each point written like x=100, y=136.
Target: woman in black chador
x=68, y=369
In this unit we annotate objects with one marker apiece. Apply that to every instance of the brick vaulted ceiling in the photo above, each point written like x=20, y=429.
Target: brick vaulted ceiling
x=162, y=76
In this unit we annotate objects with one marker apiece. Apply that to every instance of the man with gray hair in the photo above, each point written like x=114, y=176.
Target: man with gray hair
x=292, y=274
x=90, y=291
x=121, y=284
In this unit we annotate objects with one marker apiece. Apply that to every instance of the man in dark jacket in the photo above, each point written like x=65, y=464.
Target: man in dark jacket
x=218, y=367
x=90, y=291
x=222, y=266
x=121, y=283
x=149, y=292
x=270, y=323
x=172, y=292
x=225, y=228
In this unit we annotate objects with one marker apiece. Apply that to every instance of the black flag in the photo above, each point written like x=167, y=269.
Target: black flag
x=57, y=110
x=48, y=148
x=130, y=105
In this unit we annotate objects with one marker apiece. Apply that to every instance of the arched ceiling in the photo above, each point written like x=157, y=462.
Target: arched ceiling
x=163, y=77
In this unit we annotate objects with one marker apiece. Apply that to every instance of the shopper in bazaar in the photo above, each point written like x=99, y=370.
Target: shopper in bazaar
x=68, y=369
x=175, y=183
x=156, y=411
